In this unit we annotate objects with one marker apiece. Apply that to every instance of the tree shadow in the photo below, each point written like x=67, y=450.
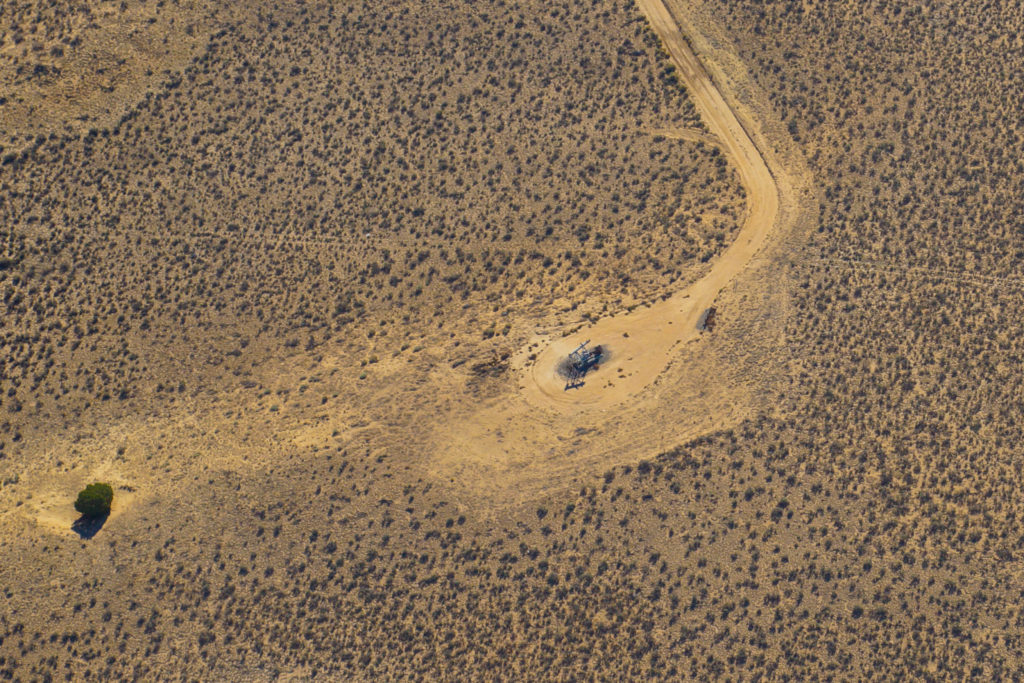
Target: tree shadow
x=87, y=527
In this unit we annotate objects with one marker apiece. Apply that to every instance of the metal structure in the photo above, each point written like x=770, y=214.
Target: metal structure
x=581, y=361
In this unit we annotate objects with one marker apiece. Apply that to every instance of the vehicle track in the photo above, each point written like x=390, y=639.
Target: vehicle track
x=642, y=340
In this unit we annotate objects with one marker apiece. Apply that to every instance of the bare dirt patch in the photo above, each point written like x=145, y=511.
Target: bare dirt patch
x=52, y=503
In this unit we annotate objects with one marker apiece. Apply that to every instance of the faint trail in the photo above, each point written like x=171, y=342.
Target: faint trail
x=964, y=277
x=643, y=339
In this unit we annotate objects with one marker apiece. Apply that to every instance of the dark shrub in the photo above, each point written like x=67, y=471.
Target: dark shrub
x=94, y=500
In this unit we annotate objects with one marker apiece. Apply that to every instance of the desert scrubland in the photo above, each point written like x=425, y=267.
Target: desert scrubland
x=267, y=281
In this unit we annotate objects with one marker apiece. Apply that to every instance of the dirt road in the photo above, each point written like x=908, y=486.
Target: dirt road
x=642, y=341
x=538, y=436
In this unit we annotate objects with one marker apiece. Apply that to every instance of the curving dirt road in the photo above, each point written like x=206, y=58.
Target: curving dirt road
x=541, y=436
x=642, y=341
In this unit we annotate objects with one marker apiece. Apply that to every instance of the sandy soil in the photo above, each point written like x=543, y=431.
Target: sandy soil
x=539, y=434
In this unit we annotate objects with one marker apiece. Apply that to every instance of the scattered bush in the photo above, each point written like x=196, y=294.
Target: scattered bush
x=94, y=500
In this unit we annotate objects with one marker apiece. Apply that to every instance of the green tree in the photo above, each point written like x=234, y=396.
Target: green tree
x=94, y=500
